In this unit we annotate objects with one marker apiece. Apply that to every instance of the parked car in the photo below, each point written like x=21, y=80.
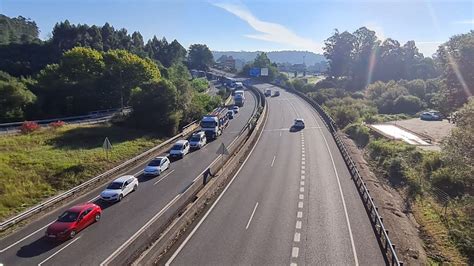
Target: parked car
x=157, y=166
x=431, y=116
x=230, y=114
x=236, y=109
x=179, y=149
x=277, y=93
x=75, y=219
x=299, y=123
x=119, y=188
x=198, y=140
x=268, y=93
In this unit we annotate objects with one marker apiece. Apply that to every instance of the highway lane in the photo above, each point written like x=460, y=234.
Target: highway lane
x=121, y=220
x=288, y=204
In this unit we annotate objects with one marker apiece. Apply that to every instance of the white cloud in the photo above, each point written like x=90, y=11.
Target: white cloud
x=271, y=32
x=428, y=48
x=467, y=21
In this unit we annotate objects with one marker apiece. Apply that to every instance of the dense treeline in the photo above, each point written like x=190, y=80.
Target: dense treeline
x=17, y=30
x=361, y=58
x=84, y=68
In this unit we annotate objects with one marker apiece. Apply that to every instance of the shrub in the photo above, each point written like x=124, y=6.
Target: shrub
x=407, y=104
x=29, y=126
x=57, y=124
x=359, y=133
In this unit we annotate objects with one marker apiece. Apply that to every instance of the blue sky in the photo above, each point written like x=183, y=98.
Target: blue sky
x=258, y=25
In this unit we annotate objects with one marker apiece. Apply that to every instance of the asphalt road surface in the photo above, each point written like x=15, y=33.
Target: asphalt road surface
x=119, y=221
x=293, y=202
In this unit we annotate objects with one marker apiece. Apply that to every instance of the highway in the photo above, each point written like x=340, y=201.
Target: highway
x=121, y=220
x=293, y=202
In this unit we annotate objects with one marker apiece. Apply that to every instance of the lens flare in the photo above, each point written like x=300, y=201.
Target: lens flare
x=372, y=64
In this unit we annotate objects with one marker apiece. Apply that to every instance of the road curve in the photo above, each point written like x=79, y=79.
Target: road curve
x=293, y=202
x=121, y=220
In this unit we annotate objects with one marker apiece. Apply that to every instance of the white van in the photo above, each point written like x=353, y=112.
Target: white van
x=198, y=140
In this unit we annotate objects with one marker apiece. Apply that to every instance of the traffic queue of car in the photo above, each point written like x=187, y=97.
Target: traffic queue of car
x=78, y=217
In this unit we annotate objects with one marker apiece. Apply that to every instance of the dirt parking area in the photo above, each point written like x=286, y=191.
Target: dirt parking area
x=435, y=131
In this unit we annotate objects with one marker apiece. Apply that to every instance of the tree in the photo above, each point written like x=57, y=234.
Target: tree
x=126, y=71
x=457, y=62
x=338, y=50
x=18, y=30
x=200, y=57
x=365, y=47
x=14, y=98
x=407, y=104
x=155, y=107
x=458, y=147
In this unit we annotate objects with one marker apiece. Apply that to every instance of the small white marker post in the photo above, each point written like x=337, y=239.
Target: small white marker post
x=107, y=146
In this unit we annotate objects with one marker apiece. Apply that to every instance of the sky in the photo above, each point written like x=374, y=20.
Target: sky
x=262, y=25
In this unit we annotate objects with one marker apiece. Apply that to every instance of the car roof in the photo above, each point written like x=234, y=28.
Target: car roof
x=299, y=119
x=123, y=178
x=160, y=158
x=80, y=207
x=181, y=141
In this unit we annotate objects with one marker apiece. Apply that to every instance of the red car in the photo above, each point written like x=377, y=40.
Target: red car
x=74, y=220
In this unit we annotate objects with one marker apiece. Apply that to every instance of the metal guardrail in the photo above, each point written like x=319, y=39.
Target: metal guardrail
x=28, y=213
x=387, y=247
x=91, y=115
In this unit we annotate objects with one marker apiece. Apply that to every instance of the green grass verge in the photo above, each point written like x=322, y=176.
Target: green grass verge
x=39, y=165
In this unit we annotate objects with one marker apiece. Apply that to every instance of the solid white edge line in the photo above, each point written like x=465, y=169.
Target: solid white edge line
x=55, y=253
x=21, y=240
x=106, y=261
x=175, y=254
x=251, y=216
x=163, y=177
x=273, y=161
x=356, y=260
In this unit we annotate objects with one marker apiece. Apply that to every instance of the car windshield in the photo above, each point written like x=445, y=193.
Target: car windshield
x=177, y=147
x=155, y=162
x=115, y=185
x=195, y=138
x=68, y=217
x=208, y=124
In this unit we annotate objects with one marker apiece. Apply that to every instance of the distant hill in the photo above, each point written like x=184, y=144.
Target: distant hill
x=292, y=57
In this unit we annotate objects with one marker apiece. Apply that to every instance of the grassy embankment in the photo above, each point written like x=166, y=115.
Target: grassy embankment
x=41, y=164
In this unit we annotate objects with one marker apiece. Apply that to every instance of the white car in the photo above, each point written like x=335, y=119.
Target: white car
x=120, y=188
x=198, y=140
x=230, y=114
x=235, y=108
x=299, y=123
x=157, y=166
x=179, y=149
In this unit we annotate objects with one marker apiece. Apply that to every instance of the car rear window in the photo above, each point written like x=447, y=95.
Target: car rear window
x=155, y=162
x=177, y=147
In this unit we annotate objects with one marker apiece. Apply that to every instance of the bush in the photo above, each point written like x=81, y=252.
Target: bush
x=446, y=180
x=200, y=84
x=407, y=104
x=29, y=126
x=57, y=124
x=359, y=133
